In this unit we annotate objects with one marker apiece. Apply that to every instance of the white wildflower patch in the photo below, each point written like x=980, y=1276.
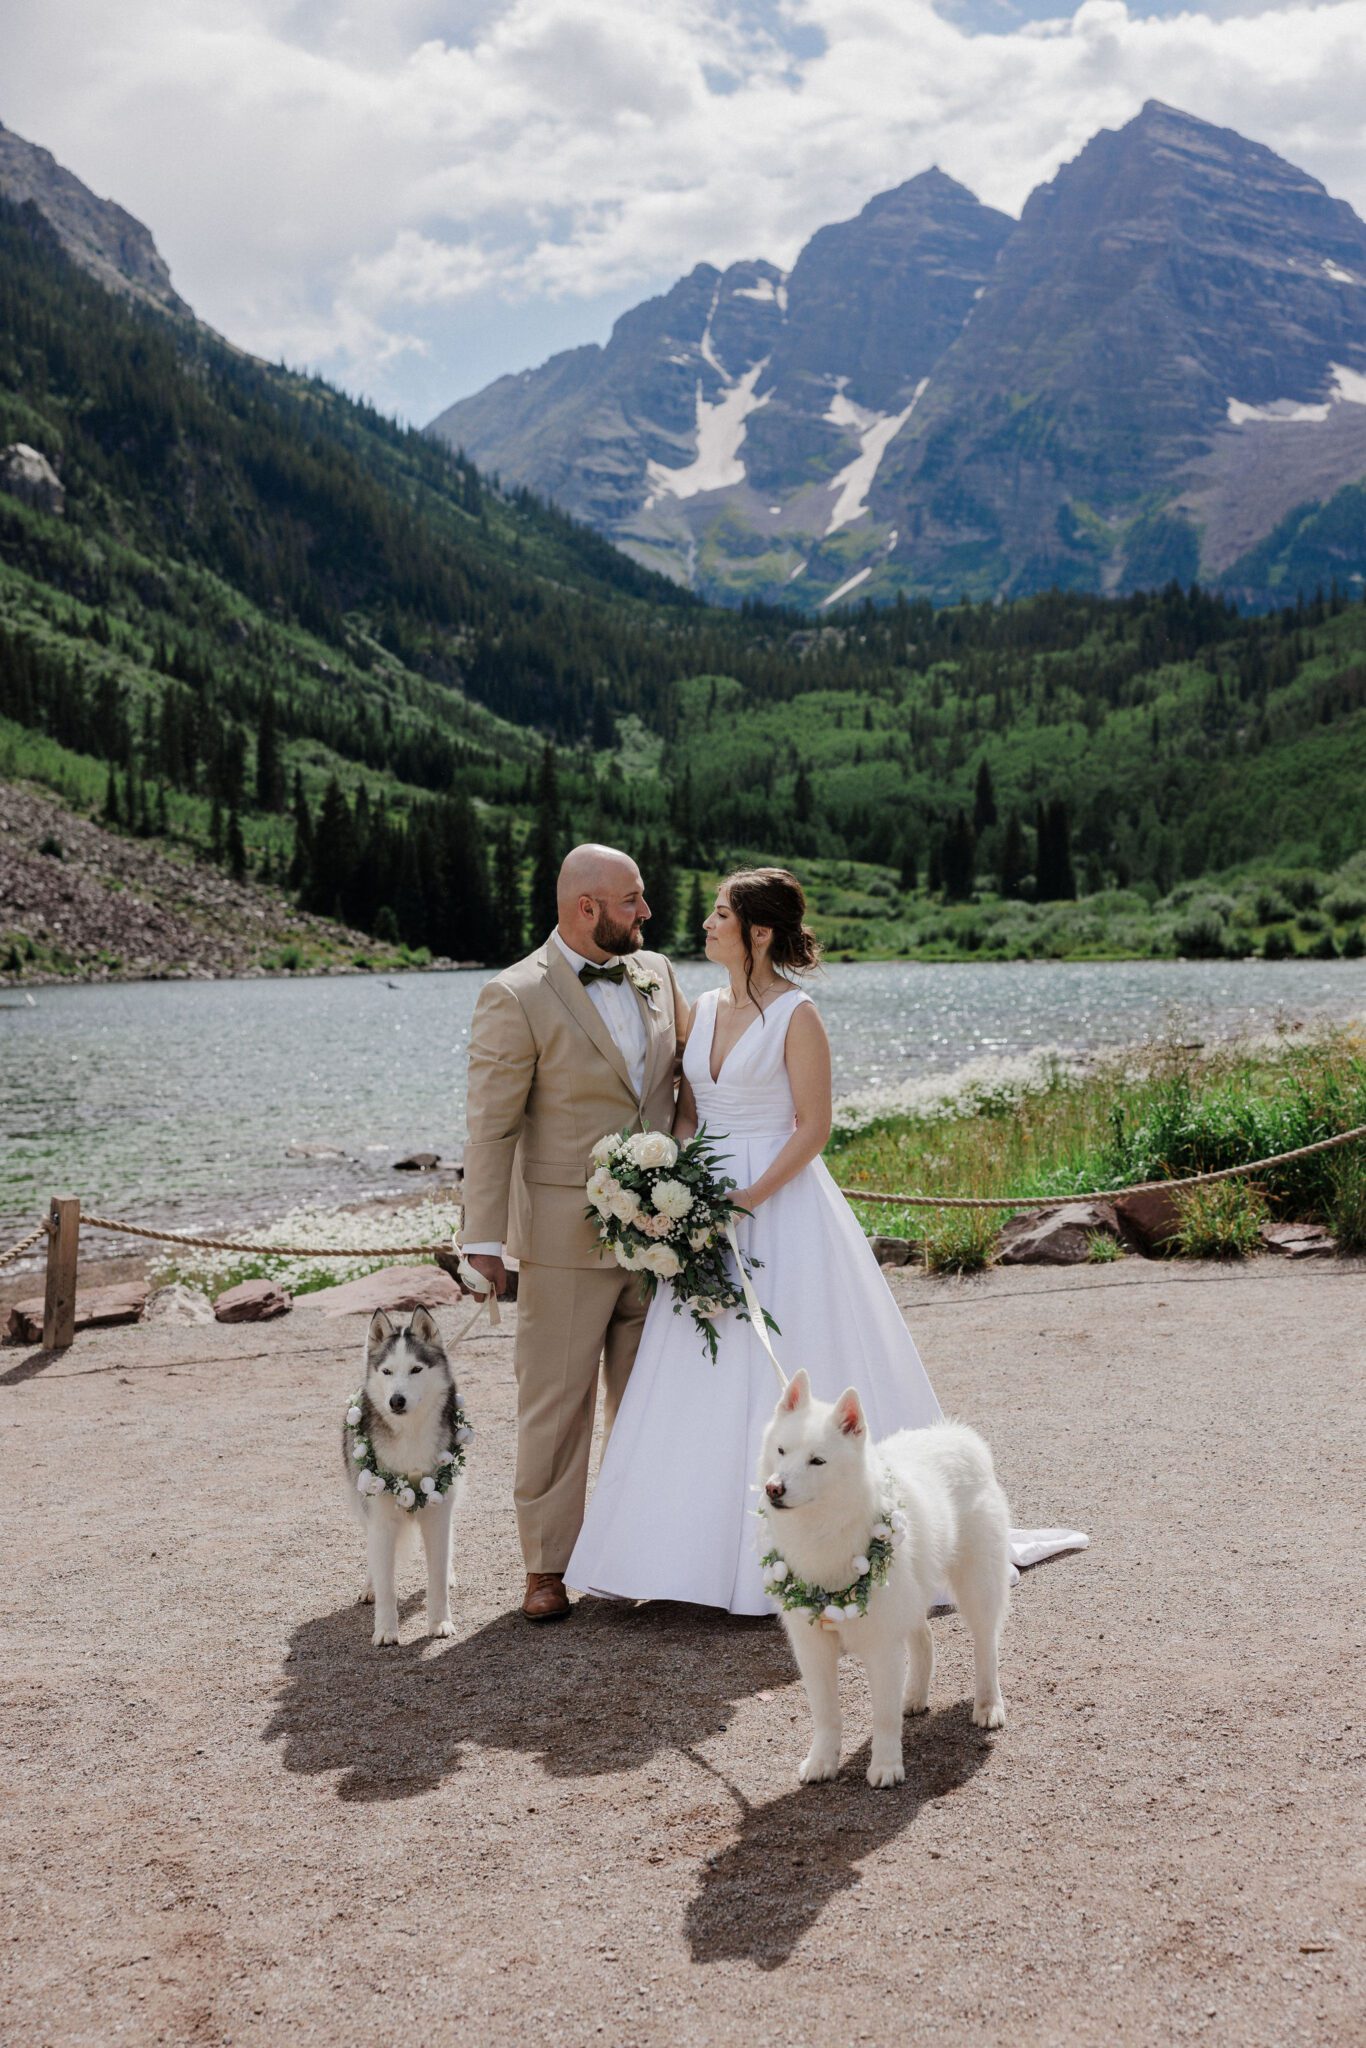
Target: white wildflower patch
x=992, y=1086
x=332, y=1230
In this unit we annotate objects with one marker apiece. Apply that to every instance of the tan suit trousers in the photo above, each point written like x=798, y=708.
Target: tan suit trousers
x=569, y=1318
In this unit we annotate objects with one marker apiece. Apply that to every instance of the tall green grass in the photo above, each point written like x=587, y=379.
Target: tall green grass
x=1159, y=1113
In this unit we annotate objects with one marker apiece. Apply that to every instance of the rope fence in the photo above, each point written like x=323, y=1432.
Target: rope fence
x=62, y=1224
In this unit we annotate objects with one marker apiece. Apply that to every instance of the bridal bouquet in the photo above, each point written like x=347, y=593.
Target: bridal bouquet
x=661, y=1209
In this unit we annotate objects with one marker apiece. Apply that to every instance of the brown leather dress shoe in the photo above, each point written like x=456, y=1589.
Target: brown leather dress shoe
x=546, y=1599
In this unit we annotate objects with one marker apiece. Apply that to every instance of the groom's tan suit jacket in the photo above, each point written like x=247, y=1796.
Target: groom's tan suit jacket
x=546, y=1081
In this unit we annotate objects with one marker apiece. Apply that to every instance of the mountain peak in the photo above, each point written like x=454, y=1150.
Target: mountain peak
x=98, y=236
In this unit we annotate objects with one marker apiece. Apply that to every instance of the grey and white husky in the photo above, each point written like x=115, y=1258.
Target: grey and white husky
x=862, y=1540
x=409, y=1412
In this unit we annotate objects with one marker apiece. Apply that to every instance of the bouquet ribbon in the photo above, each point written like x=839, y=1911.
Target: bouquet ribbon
x=753, y=1306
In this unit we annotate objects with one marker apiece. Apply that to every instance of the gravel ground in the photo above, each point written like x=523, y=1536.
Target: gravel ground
x=229, y=1820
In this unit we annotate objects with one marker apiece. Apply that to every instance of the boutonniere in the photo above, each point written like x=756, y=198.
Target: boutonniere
x=645, y=983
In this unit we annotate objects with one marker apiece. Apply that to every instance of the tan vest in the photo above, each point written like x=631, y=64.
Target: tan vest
x=546, y=1081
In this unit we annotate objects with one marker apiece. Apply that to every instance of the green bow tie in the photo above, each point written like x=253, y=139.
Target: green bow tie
x=616, y=972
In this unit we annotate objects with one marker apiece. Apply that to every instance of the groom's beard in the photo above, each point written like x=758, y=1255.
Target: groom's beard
x=617, y=938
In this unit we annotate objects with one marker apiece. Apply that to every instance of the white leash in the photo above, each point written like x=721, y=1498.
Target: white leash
x=753, y=1306
x=482, y=1289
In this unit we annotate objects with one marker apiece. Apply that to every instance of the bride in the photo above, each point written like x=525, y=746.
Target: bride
x=671, y=1515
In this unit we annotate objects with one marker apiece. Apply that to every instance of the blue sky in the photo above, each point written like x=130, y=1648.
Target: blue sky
x=416, y=195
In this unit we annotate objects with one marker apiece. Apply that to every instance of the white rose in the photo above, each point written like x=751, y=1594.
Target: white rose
x=353, y=1416
x=626, y=1255
x=861, y=1565
x=898, y=1522
x=882, y=1532
x=358, y=1453
x=652, y=1148
x=851, y=1612
x=362, y=1482
x=597, y=1189
x=463, y=1435
x=603, y=1150
x=663, y=1260
x=621, y=1203
x=697, y=1239
x=671, y=1198
x=707, y=1308
x=778, y=1571
x=406, y=1497
x=447, y=1457
x=832, y=1613
x=429, y=1485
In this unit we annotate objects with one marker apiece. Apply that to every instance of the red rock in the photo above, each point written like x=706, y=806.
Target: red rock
x=1299, y=1240
x=99, y=1308
x=1149, y=1220
x=1056, y=1237
x=253, y=1301
x=395, y=1287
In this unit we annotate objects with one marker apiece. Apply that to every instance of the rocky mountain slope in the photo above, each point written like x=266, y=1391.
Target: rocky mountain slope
x=1160, y=370
x=115, y=249
x=78, y=902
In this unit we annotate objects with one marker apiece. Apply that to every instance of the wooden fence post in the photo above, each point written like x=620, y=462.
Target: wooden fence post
x=59, y=1301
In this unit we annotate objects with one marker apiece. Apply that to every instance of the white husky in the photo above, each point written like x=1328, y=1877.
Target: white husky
x=861, y=1540
x=403, y=1444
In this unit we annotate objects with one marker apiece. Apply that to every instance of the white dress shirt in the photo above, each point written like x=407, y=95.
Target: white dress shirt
x=619, y=1007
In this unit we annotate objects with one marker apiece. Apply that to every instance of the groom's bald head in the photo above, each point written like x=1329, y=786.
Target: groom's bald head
x=600, y=901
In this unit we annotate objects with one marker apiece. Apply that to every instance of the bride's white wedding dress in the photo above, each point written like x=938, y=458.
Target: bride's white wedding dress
x=671, y=1517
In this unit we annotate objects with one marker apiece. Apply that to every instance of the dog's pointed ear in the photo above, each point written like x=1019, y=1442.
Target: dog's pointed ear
x=849, y=1416
x=796, y=1392
x=424, y=1327
x=379, y=1333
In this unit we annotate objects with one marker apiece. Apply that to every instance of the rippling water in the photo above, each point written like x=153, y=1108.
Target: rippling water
x=174, y=1102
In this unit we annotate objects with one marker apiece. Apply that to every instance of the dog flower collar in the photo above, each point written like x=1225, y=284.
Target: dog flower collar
x=408, y=1491
x=847, y=1603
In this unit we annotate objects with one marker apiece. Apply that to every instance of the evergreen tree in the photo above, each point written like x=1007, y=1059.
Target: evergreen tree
x=802, y=801
x=111, y=799
x=958, y=859
x=510, y=931
x=547, y=848
x=693, y=936
x=216, y=832
x=1014, y=864
x=270, y=780
x=301, y=864
x=661, y=893
x=909, y=864
x=984, y=801
x=332, y=855
x=236, y=848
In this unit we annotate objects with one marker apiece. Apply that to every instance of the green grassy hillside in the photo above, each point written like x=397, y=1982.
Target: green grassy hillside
x=278, y=629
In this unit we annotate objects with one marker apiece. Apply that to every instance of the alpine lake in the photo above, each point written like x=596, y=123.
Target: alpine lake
x=224, y=1105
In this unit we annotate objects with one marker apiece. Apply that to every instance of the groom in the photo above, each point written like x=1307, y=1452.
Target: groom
x=578, y=1039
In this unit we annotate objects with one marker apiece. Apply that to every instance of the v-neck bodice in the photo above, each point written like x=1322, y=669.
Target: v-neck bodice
x=751, y=1093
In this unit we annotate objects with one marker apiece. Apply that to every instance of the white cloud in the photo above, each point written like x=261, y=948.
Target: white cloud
x=413, y=195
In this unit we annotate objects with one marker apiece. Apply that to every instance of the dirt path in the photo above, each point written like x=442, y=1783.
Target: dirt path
x=227, y=1819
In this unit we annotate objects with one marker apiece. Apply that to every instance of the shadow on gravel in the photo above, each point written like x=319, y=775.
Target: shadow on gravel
x=604, y=1691
x=794, y=1855
x=28, y=1367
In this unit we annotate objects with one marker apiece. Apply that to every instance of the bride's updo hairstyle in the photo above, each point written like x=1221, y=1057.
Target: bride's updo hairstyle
x=772, y=898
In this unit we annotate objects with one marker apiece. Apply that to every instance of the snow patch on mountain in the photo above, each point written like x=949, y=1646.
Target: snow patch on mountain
x=764, y=289
x=876, y=431
x=853, y=582
x=1339, y=275
x=717, y=465
x=1349, y=388
x=705, y=348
